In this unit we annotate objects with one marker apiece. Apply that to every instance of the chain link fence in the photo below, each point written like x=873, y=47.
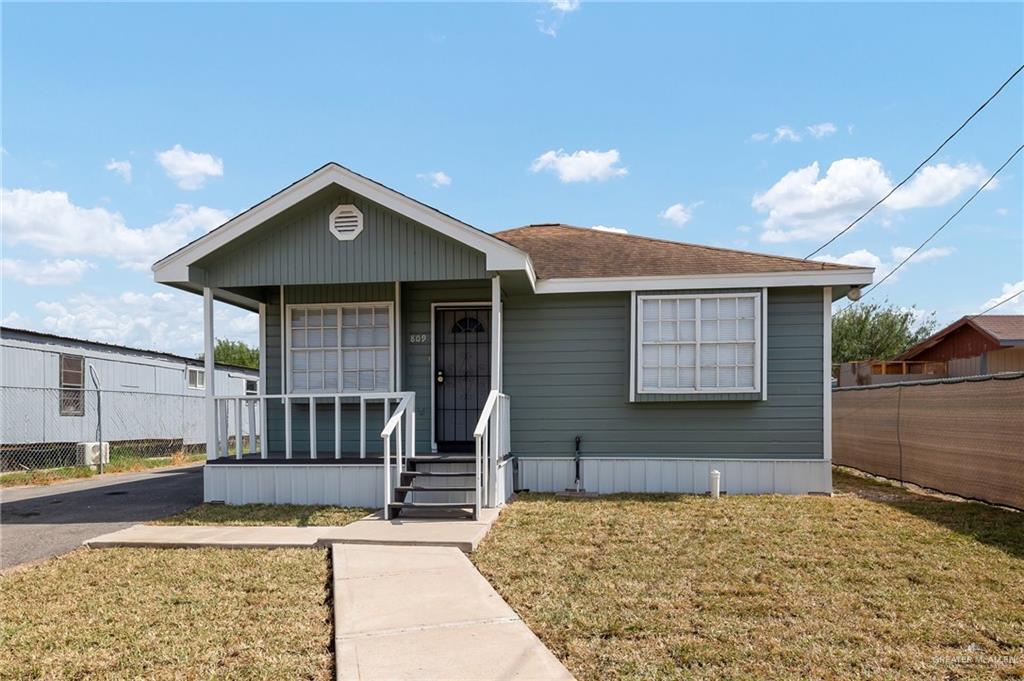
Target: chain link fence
x=51, y=428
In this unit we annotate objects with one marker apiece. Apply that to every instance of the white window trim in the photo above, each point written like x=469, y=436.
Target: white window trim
x=760, y=320
x=200, y=380
x=339, y=307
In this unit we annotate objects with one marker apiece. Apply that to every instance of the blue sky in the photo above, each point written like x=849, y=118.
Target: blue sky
x=761, y=127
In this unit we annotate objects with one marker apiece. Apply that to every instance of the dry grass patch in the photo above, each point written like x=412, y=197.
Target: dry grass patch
x=871, y=583
x=168, y=614
x=266, y=514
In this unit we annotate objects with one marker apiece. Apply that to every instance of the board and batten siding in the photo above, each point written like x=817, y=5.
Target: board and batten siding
x=297, y=247
x=566, y=368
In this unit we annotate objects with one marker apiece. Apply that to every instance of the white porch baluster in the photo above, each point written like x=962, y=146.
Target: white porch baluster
x=238, y=428
x=287, y=427
x=362, y=427
x=337, y=427
x=264, y=442
x=312, y=427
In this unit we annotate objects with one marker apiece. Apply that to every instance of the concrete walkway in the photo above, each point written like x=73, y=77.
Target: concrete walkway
x=425, y=613
x=464, y=535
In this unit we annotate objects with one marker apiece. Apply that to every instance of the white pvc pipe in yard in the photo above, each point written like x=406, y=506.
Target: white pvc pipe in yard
x=716, y=484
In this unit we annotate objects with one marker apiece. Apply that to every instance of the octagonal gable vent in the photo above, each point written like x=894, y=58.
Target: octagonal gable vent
x=346, y=222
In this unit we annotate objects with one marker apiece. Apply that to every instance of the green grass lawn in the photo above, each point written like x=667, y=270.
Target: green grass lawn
x=874, y=582
x=265, y=514
x=118, y=464
x=168, y=614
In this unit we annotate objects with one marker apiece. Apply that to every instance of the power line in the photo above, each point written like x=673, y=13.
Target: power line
x=921, y=165
x=1004, y=300
x=941, y=227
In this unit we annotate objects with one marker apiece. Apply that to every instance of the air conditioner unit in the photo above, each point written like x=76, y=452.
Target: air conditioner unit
x=92, y=453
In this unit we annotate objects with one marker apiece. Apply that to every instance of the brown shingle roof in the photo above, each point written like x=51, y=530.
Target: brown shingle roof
x=1002, y=327
x=562, y=251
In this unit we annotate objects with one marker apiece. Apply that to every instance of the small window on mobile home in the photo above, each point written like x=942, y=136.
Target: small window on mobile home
x=195, y=378
x=72, y=385
x=694, y=343
x=252, y=387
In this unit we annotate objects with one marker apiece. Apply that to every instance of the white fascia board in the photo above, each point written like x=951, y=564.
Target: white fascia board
x=844, y=277
x=500, y=255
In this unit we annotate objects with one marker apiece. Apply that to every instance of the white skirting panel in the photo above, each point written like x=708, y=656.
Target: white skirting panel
x=685, y=476
x=334, y=485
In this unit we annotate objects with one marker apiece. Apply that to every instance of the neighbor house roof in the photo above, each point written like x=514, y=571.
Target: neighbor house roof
x=563, y=252
x=1002, y=329
x=11, y=333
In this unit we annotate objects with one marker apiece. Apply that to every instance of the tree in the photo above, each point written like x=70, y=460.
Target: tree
x=879, y=331
x=235, y=352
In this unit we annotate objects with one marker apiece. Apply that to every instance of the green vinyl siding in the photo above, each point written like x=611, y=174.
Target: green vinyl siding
x=566, y=368
x=296, y=247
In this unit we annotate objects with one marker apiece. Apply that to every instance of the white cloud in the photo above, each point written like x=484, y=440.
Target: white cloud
x=44, y=272
x=804, y=205
x=12, y=319
x=564, y=6
x=1015, y=306
x=436, y=178
x=1002, y=212
x=679, y=213
x=122, y=168
x=613, y=230
x=580, y=166
x=759, y=136
x=49, y=221
x=819, y=130
x=164, y=320
x=189, y=168
x=555, y=14
x=743, y=228
x=938, y=184
x=865, y=258
x=784, y=133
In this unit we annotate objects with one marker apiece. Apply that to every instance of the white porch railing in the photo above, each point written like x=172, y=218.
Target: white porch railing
x=248, y=431
x=404, y=412
x=492, y=446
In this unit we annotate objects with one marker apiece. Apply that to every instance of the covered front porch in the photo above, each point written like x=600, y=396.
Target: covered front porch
x=380, y=395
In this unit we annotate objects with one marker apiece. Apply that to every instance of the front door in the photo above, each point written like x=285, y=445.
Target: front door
x=462, y=374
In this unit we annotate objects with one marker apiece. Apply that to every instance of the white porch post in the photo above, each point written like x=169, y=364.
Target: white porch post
x=209, y=372
x=262, y=390
x=496, y=332
x=827, y=353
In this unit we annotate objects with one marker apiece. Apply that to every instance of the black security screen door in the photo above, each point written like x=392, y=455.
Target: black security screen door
x=462, y=374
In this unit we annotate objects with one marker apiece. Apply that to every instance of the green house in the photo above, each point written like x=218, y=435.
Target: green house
x=412, y=361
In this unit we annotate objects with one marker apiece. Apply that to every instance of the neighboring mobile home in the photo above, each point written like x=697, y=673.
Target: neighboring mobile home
x=49, y=386
x=543, y=357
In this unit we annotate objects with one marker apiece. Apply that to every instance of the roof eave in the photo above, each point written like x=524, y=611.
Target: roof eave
x=859, y=276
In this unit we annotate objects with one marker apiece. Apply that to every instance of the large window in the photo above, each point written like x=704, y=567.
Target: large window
x=699, y=343
x=72, y=385
x=340, y=348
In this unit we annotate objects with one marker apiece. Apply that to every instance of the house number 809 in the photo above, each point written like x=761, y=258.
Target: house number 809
x=419, y=338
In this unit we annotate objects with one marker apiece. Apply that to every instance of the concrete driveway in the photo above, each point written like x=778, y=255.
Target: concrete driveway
x=39, y=522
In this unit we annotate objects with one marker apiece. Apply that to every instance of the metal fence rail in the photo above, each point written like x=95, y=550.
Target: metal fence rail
x=43, y=428
x=961, y=436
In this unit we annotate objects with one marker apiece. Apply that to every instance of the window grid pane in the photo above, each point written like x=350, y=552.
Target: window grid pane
x=669, y=350
x=341, y=347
